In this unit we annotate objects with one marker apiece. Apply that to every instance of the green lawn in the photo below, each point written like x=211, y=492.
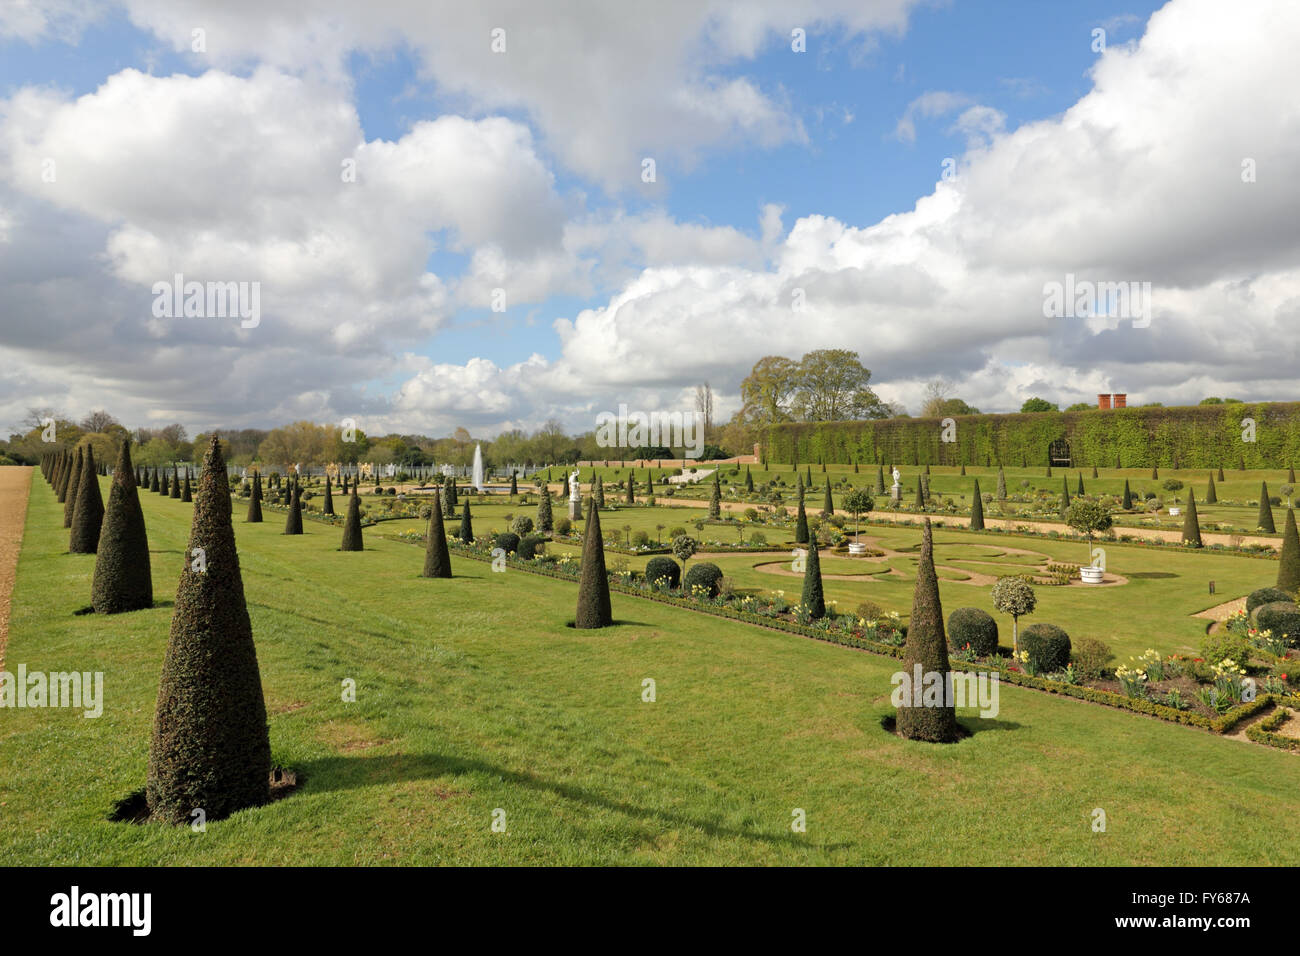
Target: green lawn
x=473, y=695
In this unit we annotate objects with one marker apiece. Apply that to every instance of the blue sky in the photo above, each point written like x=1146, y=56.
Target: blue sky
x=1025, y=58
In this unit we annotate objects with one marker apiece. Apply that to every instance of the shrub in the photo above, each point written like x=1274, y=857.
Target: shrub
x=522, y=526
x=507, y=542
x=1280, y=617
x=665, y=568
x=869, y=611
x=1224, y=644
x=1172, y=484
x=530, y=546
x=640, y=539
x=970, y=625
x=703, y=574
x=1090, y=658
x=563, y=526
x=1048, y=647
x=1265, y=596
x=676, y=531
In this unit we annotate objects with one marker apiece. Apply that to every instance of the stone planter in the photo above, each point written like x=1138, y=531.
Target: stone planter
x=858, y=549
x=1175, y=512
x=1091, y=575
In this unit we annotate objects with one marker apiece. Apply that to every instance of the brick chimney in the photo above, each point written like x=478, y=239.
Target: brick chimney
x=1121, y=400
x=1103, y=401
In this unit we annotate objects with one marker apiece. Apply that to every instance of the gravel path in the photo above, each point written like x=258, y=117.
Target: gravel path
x=15, y=482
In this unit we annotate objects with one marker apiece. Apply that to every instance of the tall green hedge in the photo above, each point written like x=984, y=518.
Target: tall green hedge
x=1198, y=436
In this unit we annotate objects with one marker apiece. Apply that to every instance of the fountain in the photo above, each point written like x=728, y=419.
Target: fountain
x=478, y=468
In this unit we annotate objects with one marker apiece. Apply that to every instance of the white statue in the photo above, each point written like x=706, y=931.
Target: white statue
x=896, y=477
x=574, y=494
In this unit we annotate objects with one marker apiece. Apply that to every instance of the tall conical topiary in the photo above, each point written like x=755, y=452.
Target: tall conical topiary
x=164, y=488
x=153, y=481
x=925, y=657
x=715, y=498
x=812, y=598
x=328, y=507
x=880, y=482
x=1290, y=474
x=1155, y=472
x=88, y=516
x=448, y=497
x=631, y=488
x=74, y=486
x=176, y=484
x=1094, y=474
x=593, y=586
x=514, y=483
x=437, y=559
x=749, y=480
x=123, y=580
x=828, y=503
x=598, y=493
x=1127, y=504
x=1288, y=568
x=352, y=524
x=466, y=525
x=65, y=473
x=545, y=514
x=187, y=495
x=1221, y=473
x=920, y=494
x=293, y=520
x=1211, y=495
x=1265, y=519
x=977, y=509
x=801, y=519
x=808, y=478
x=210, y=749
x=963, y=469
x=1191, y=523
x=1078, y=488
x=255, y=501
x=1065, y=495
x=1002, y=484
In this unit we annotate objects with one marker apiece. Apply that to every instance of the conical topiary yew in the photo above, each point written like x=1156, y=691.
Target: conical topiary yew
x=186, y=495
x=1288, y=569
x=255, y=501
x=437, y=559
x=1191, y=523
x=74, y=485
x=466, y=525
x=545, y=515
x=88, y=515
x=176, y=484
x=812, y=597
x=828, y=503
x=1211, y=496
x=293, y=520
x=328, y=507
x=925, y=658
x=211, y=749
x=593, y=586
x=123, y=580
x=1264, y=521
x=352, y=524
x=977, y=509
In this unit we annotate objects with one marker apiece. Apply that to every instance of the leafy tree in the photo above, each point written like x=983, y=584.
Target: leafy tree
x=858, y=502
x=210, y=747
x=1038, y=405
x=1013, y=595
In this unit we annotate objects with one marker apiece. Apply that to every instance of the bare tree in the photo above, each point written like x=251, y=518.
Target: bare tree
x=36, y=417
x=704, y=406
x=98, y=421
x=937, y=392
x=550, y=438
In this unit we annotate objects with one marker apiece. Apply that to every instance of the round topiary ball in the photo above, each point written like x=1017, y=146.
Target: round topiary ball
x=663, y=568
x=1047, y=645
x=1280, y=617
x=1265, y=596
x=705, y=574
x=970, y=625
x=507, y=542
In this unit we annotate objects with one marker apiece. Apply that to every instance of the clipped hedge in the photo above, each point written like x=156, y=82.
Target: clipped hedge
x=1280, y=617
x=1198, y=436
x=704, y=574
x=1263, y=732
x=664, y=568
x=1265, y=596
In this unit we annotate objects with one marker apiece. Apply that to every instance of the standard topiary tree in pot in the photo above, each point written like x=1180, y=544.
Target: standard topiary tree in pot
x=858, y=503
x=123, y=580
x=210, y=747
x=1088, y=518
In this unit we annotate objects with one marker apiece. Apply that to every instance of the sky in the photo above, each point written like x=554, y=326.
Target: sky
x=488, y=215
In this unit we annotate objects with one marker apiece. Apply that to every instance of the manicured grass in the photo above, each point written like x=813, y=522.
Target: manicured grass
x=473, y=695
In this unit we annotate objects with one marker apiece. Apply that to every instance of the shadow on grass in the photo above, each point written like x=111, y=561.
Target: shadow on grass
x=329, y=774
x=1151, y=575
